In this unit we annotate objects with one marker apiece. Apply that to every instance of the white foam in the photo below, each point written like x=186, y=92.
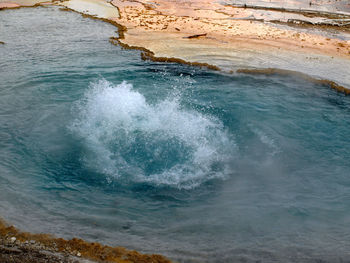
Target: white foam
x=115, y=122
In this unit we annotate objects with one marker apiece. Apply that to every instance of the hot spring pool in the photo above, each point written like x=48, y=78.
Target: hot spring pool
x=197, y=165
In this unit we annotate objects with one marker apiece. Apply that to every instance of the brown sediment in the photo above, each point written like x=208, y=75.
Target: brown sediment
x=2, y=43
x=75, y=247
x=65, y=9
x=273, y=71
x=150, y=56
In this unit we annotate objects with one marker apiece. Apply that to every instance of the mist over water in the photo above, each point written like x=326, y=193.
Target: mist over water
x=164, y=158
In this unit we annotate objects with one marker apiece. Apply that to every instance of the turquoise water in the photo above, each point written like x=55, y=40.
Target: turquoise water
x=164, y=158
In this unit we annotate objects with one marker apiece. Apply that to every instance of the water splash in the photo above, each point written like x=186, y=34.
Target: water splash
x=131, y=140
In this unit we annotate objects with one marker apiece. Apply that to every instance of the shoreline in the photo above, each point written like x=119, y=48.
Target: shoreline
x=232, y=54
x=209, y=51
x=21, y=246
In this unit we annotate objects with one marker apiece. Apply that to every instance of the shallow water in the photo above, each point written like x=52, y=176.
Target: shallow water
x=165, y=158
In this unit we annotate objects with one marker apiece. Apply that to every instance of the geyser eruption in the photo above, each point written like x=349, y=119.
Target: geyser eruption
x=131, y=140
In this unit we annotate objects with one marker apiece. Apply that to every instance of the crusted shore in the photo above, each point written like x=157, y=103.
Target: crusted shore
x=221, y=36
x=22, y=247
x=206, y=32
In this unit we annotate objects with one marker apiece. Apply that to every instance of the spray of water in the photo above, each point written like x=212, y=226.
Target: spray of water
x=162, y=144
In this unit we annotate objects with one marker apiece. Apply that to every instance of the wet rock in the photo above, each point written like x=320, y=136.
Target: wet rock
x=9, y=250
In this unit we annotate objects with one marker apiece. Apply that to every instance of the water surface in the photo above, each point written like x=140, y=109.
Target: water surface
x=165, y=158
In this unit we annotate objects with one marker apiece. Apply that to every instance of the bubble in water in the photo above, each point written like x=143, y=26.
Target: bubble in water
x=162, y=144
